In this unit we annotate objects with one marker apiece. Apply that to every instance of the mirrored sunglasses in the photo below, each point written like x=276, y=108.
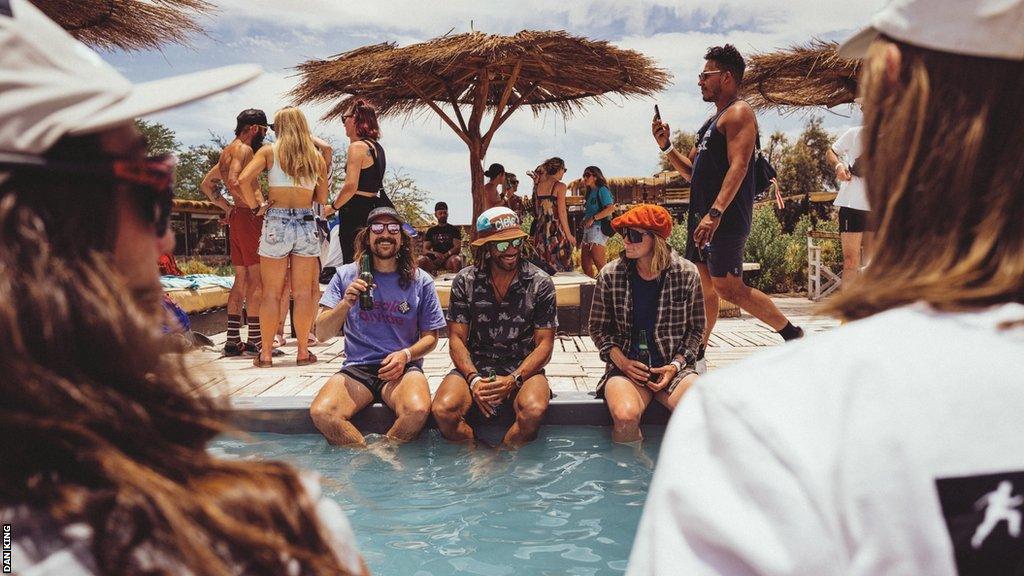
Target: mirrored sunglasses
x=504, y=244
x=391, y=227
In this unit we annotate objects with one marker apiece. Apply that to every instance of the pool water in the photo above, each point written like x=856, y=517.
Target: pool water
x=567, y=504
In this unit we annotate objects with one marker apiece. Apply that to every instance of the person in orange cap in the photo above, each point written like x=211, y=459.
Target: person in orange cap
x=647, y=320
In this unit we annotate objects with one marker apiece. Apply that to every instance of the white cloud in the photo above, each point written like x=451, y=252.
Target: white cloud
x=616, y=136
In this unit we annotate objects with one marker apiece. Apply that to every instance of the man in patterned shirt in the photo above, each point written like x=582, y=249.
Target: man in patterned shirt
x=501, y=329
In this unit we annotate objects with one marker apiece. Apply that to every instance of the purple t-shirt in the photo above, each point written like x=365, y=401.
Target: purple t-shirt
x=398, y=315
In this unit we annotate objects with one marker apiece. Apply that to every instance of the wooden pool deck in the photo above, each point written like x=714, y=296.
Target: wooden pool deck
x=574, y=366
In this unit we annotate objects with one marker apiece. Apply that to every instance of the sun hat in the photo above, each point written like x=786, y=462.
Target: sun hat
x=646, y=217
x=55, y=86
x=498, y=223
x=381, y=211
x=984, y=28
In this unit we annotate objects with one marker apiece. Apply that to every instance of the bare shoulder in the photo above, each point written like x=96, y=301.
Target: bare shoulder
x=738, y=116
x=358, y=148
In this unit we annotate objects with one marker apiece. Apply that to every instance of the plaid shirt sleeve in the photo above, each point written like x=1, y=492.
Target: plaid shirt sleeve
x=695, y=319
x=607, y=294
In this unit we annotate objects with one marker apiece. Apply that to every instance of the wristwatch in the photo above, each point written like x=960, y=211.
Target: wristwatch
x=715, y=213
x=690, y=357
x=518, y=379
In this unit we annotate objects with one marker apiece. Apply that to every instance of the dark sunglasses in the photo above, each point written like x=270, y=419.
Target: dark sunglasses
x=587, y=175
x=504, y=244
x=150, y=180
x=634, y=236
x=391, y=227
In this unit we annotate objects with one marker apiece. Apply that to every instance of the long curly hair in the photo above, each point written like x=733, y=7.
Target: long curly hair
x=949, y=225
x=102, y=420
x=406, y=255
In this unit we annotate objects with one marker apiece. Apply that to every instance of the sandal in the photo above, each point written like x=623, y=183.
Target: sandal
x=310, y=359
x=261, y=363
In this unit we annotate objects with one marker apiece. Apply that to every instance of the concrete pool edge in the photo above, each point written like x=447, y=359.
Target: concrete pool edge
x=290, y=414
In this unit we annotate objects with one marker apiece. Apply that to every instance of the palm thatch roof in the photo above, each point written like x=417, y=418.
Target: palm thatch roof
x=486, y=73
x=539, y=69
x=127, y=24
x=809, y=75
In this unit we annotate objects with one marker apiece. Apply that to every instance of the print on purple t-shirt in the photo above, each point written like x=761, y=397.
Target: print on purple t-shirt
x=398, y=315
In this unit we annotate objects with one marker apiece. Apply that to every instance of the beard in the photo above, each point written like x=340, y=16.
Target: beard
x=385, y=249
x=500, y=261
x=257, y=142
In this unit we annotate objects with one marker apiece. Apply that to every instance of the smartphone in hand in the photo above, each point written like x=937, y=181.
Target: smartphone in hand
x=657, y=113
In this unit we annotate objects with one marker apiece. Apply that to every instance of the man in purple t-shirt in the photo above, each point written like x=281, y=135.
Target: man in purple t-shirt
x=384, y=346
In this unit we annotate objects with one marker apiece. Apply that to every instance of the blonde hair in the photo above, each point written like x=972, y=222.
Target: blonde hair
x=945, y=178
x=661, y=255
x=296, y=151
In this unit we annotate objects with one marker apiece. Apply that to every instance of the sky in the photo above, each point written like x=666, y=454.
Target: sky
x=616, y=137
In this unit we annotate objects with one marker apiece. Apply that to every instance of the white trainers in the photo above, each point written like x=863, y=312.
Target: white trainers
x=701, y=365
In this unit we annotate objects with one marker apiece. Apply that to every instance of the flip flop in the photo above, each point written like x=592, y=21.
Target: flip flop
x=260, y=363
x=310, y=359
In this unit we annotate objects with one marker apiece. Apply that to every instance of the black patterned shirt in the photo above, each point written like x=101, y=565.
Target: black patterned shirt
x=501, y=333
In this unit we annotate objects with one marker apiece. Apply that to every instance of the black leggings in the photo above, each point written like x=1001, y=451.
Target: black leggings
x=353, y=217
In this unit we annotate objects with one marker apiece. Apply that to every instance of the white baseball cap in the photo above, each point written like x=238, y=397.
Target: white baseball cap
x=53, y=85
x=984, y=28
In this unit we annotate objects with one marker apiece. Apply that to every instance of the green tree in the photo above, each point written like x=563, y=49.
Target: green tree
x=410, y=200
x=802, y=166
x=682, y=141
x=161, y=139
x=193, y=164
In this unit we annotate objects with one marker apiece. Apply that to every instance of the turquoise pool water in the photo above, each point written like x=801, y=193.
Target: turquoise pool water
x=568, y=504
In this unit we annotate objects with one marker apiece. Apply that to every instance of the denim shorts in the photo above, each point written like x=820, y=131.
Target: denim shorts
x=593, y=235
x=288, y=231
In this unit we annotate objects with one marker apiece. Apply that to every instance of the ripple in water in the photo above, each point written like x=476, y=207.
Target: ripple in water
x=568, y=503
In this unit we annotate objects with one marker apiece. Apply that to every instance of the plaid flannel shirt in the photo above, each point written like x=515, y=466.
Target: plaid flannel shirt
x=680, y=322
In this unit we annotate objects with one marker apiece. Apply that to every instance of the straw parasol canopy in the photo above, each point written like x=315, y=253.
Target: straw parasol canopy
x=810, y=75
x=465, y=76
x=127, y=24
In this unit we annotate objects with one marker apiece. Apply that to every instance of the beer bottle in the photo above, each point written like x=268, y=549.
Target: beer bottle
x=366, y=275
x=644, y=353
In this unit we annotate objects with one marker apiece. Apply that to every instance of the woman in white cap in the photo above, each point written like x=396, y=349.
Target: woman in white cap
x=105, y=432
x=893, y=444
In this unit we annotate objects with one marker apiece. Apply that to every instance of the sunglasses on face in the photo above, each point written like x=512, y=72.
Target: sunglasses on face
x=505, y=244
x=150, y=181
x=391, y=227
x=634, y=236
x=705, y=75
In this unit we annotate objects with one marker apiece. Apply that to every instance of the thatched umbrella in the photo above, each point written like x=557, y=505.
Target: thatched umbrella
x=485, y=72
x=127, y=24
x=811, y=75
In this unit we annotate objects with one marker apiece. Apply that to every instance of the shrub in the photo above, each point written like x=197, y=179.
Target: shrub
x=196, y=267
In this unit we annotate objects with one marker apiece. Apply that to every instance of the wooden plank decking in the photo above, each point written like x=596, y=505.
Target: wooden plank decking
x=574, y=365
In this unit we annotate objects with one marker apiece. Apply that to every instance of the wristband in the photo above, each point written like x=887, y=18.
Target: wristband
x=474, y=381
x=408, y=355
x=666, y=148
x=678, y=365
x=836, y=167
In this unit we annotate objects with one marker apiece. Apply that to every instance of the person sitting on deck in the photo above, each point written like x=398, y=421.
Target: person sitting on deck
x=647, y=320
x=384, y=346
x=501, y=329
x=442, y=244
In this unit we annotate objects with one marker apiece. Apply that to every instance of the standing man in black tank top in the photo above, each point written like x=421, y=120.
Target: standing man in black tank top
x=720, y=169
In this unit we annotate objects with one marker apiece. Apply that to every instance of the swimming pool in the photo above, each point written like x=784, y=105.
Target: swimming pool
x=567, y=504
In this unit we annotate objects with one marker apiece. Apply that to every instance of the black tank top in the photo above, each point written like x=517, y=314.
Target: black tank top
x=371, y=178
x=709, y=168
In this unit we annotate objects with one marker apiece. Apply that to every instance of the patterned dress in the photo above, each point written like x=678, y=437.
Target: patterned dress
x=548, y=241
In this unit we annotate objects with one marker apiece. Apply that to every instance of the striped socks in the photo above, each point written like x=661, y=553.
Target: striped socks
x=234, y=329
x=255, y=340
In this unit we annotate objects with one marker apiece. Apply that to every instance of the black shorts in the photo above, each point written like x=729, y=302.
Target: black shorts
x=614, y=371
x=474, y=415
x=723, y=256
x=366, y=374
x=853, y=220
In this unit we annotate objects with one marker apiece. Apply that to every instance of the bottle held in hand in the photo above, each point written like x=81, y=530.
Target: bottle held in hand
x=644, y=353
x=366, y=275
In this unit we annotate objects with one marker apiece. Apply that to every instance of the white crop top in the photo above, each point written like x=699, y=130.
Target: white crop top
x=277, y=178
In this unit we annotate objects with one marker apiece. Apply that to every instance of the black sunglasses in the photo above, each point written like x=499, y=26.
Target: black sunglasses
x=150, y=180
x=504, y=244
x=634, y=236
x=391, y=227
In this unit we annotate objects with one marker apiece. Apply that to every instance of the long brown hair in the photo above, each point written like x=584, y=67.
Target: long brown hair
x=102, y=420
x=945, y=178
x=365, y=116
x=406, y=258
